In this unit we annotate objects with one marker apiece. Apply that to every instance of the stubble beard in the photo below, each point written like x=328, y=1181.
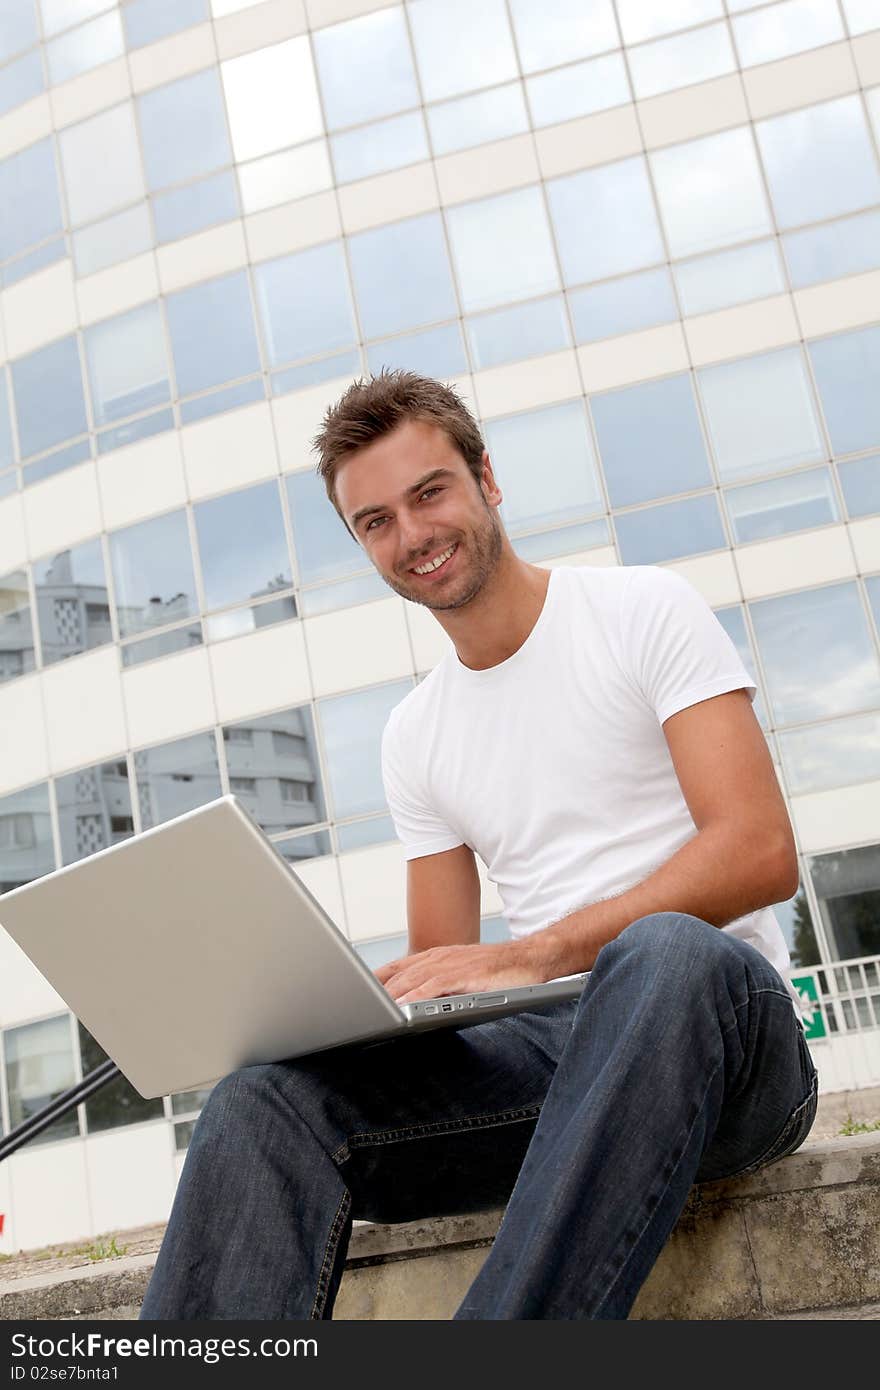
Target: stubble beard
x=482, y=557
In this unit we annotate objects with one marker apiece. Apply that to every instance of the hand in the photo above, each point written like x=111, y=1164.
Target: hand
x=460, y=970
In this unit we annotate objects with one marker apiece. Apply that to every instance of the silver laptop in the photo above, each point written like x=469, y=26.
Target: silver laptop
x=194, y=948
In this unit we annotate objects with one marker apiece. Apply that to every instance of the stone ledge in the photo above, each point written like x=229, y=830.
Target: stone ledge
x=798, y=1239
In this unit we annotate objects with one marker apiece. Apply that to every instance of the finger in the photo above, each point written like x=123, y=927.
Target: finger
x=430, y=989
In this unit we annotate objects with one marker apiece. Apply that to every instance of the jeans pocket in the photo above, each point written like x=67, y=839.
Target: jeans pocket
x=792, y=1134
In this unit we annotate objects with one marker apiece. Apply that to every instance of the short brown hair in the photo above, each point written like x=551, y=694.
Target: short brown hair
x=373, y=406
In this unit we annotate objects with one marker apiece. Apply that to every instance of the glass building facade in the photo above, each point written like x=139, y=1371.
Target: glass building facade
x=643, y=241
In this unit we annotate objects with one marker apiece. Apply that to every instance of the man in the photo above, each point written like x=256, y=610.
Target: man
x=590, y=735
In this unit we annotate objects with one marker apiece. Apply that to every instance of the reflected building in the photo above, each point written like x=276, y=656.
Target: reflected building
x=642, y=240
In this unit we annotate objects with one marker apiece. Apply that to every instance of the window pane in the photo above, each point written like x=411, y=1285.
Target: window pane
x=39, y=1067
x=233, y=566
x=183, y=211
x=760, y=413
x=61, y=14
x=604, y=221
x=729, y=277
x=272, y=98
x=234, y=622
x=401, y=276
x=710, y=192
x=84, y=48
x=841, y=753
x=457, y=125
x=668, y=532
x=113, y=239
x=183, y=126
x=47, y=386
x=117, y=1103
x=847, y=369
x=502, y=249
x=791, y=629
x=18, y=27
x=324, y=547
x=860, y=481
x=375, y=148
x=559, y=30
x=20, y=81
x=73, y=607
x=365, y=67
x=94, y=810
x=152, y=573
x=461, y=46
x=377, y=830
x=128, y=365
x=176, y=777
x=872, y=588
x=342, y=365
x=819, y=161
x=352, y=727
x=26, y=849
x=7, y=452
x=437, y=352
x=782, y=505
x=280, y=177
x=304, y=303
x=142, y=428
x=681, y=61
x=847, y=885
x=16, y=629
x=97, y=185
x=778, y=30
x=578, y=90
x=845, y=247
x=861, y=15
x=279, y=755
x=374, y=953
x=623, y=306
x=148, y=20
x=29, y=198
x=645, y=19
x=213, y=337
x=535, y=497
x=527, y=330
x=658, y=421
x=179, y=639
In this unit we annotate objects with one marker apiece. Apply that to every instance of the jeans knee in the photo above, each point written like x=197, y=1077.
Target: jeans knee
x=669, y=942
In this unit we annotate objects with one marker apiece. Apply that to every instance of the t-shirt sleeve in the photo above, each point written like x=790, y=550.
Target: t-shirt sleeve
x=420, y=829
x=674, y=646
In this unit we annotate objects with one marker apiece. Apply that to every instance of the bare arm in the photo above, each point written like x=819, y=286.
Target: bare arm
x=742, y=858
x=443, y=899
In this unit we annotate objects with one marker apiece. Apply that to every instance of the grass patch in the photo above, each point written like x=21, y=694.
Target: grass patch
x=851, y=1126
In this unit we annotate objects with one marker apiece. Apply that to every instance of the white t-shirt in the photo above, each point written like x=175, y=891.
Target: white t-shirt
x=552, y=765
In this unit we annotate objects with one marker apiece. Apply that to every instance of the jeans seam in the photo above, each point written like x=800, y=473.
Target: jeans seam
x=427, y=1131
x=329, y=1253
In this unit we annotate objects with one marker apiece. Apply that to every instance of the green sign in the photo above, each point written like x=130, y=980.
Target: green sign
x=811, y=1009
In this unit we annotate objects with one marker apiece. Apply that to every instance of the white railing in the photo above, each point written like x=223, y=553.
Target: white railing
x=841, y=1003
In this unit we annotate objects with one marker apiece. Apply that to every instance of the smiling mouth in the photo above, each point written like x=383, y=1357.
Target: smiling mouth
x=429, y=574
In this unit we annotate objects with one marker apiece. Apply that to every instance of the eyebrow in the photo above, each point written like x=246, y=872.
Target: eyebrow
x=416, y=487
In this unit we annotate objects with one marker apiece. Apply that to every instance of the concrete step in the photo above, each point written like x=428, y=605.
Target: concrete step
x=800, y=1239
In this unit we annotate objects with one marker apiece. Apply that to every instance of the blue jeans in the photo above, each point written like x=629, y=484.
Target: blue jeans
x=682, y=1061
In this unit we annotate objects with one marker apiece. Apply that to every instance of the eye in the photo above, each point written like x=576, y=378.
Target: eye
x=369, y=525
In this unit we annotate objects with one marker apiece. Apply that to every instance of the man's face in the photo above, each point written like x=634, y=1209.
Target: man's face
x=407, y=526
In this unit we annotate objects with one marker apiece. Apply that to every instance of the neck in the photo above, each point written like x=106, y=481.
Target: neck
x=501, y=616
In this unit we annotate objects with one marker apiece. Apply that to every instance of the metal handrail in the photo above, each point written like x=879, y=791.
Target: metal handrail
x=35, y=1124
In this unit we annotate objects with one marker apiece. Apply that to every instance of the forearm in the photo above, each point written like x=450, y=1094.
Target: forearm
x=717, y=876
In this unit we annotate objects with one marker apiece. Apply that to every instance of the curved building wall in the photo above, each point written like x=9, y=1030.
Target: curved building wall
x=644, y=243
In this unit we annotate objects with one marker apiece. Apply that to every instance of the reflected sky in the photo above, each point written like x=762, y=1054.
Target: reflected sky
x=760, y=413
x=272, y=98
x=545, y=467
x=650, y=441
x=242, y=545
x=352, y=730
x=817, y=652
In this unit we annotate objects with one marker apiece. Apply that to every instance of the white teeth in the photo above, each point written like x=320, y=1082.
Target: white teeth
x=435, y=564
